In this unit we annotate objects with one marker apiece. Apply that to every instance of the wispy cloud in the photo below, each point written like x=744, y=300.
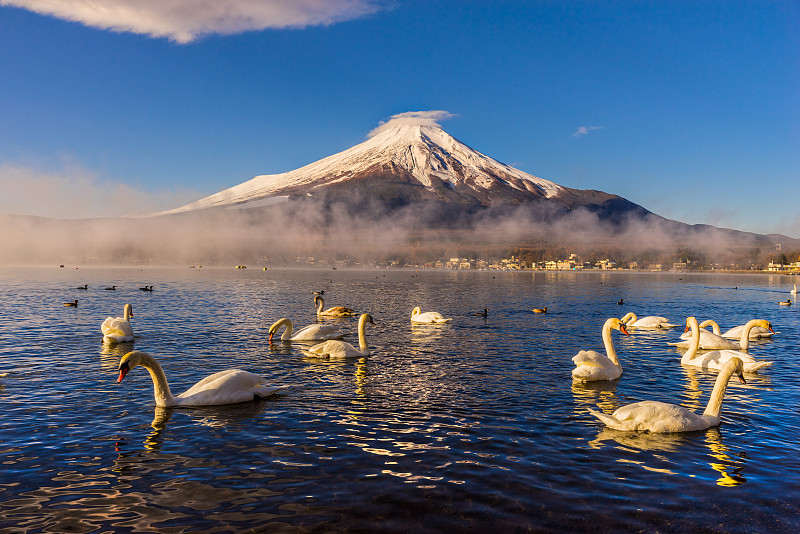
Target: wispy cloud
x=584, y=130
x=184, y=21
x=75, y=192
x=414, y=118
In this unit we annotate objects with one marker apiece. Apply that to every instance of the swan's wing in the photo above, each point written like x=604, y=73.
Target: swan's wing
x=333, y=348
x=317, y=331
x=429, y=317
x=117, y=329
x=656, y=417
x=339, y=310
x=227, y=387
x=591, y=357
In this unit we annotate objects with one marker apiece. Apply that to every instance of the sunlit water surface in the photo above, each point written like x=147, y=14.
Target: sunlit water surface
x=462, y=427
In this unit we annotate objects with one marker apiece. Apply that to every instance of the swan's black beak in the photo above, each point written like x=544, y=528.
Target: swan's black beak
x=741, y=379
x=123, y=370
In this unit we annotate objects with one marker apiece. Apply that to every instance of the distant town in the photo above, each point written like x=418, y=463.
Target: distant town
x=572, y=263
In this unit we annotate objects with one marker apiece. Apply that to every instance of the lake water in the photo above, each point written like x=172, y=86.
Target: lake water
x=464, y=427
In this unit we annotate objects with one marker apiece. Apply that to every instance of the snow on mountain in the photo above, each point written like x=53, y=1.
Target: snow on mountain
x=421, y=158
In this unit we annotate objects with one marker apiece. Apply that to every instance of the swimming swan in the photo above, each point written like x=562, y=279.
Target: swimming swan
x=334, y=348
x=417, y=316
x=225, y=387
x=757, y=332
x=336, y=311
x=314, y=332
x=591, y=365
x=718, y=358
x=651, y=322
x=709, y=340
x=664, y=417
x=118, y=329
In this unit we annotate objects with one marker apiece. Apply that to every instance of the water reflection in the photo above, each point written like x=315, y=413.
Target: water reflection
x=601, y=393
x=110, y=354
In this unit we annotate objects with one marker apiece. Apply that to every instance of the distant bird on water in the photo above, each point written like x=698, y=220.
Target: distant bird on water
x=73, y=304
x=84, y=287
x=146, y=288
x=786, y=302
x=112, y=288
x=484, y=313
x=540, y=310
x=620, y=303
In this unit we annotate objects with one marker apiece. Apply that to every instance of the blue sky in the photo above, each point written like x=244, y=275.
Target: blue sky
x=691, y=109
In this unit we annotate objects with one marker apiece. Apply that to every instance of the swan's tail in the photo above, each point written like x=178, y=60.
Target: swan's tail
x=753, y=367
x=266, y=391
x=608, y=420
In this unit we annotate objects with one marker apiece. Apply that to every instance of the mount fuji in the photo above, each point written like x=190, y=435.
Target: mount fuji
x=408, y=163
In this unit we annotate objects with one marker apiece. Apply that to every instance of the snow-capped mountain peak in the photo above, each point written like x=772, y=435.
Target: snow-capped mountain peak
x=410, y=156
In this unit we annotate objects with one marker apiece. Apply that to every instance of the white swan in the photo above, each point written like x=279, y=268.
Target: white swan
x=651, y=322
x=336, y=311
x=417, y=316
x=313, y=332
x=708, y=340
x=718, y=358
x=664, y=417
x=225, y=387
x=757, y=332
x=118, y=329
x=334, y=348
x=591, y=365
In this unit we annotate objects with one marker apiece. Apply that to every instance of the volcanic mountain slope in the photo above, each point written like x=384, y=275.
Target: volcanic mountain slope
x=413, y=163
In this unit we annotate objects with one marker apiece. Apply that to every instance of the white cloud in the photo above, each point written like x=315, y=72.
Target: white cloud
x=184, y=21
x=74, y=192
x=584, y=130
x=413, y=118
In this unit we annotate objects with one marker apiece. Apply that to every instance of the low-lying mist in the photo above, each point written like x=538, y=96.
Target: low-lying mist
x=359, y=230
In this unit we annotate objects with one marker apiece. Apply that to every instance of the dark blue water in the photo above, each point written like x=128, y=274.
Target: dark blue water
x=464, y=427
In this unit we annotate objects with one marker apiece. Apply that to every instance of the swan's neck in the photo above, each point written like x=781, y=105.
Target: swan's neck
x=629, y=318
x=715, y=401
x=320, y=304
x=362, y=335
x=287, y=334
x=609, y=343
x=161, y=390
x=744, y=341
x=694, y=343
x=127, y=312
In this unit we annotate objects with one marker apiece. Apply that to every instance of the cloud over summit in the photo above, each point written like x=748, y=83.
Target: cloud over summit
x=184, y=21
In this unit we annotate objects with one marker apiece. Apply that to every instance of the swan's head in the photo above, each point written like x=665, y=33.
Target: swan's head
x=128, y=310
x=128, y=362
x=367, y=318
x=764, y=324
x=617, y=324
x=738, y=368
x=276, y=326
x=689, y=321
x=629, y=317
x=416, y=311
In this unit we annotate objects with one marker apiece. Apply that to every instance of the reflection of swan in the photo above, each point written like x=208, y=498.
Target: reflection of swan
x=417, y=316
x=118, y=329
x=225, y=387
x=334, y=348
x=757, y=332
x=657, y=416
x=592, y=365
x=718, y=358
x=651, y=322
x=313, y=332
x=336, y=311
x=794, y=291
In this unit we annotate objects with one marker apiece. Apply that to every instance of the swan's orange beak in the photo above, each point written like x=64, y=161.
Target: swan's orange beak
x=687, y=328
x=123, y=370
x=742, y=380
x=623, y=329
x=270, y=336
